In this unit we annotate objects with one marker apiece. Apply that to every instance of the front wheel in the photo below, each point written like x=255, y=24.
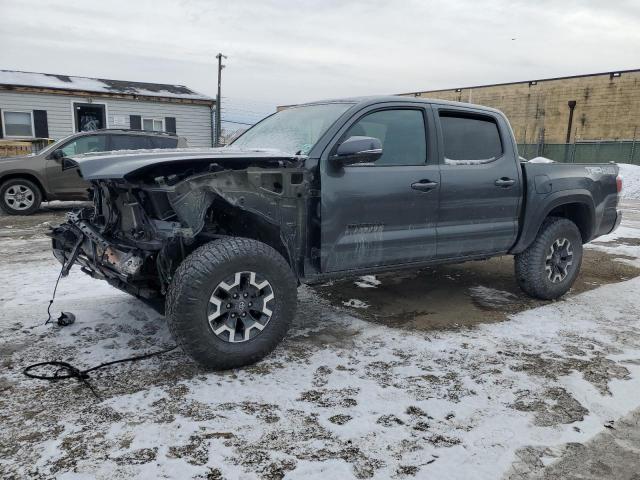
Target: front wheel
x=20, y=196
x=550, y=265
x=231, y=302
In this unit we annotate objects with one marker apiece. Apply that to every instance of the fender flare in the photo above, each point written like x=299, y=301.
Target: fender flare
x=534, y=216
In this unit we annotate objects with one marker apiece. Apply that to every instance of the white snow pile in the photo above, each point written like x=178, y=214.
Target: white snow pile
x=368, y=281
x=541, y=160
x=630, y=181
x=355, y=303
x=490, y=297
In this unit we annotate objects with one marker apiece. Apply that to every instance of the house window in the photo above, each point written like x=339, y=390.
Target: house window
x=153, y=124
x=17, y=124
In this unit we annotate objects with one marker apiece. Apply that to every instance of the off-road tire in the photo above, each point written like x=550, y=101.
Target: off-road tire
x=530, y=265
x=15, y=182
x=193, y=284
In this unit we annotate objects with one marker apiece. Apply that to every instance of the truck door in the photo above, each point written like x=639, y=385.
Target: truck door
x=481, y=188
x=64, y=181
x=383, y=212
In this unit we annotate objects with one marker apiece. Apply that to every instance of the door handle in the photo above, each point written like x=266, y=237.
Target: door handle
x=424, y=185
x=505, y=182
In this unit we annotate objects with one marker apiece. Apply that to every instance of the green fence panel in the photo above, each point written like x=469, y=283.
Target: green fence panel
x=584, y=152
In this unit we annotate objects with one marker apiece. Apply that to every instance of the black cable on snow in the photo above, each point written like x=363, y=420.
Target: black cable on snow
x=65, y=370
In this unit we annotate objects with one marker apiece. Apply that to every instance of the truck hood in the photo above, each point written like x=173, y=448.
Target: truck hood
x=123, y=163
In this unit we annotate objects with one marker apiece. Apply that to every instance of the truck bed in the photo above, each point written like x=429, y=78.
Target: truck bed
x=590, y=187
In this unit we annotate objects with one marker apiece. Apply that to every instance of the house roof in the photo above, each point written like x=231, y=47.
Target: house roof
x=12, y=78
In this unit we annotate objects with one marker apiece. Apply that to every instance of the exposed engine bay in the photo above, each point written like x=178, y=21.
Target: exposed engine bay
x=142, y=226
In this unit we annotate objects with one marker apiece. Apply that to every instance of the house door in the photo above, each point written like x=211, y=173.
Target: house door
x=89, y=116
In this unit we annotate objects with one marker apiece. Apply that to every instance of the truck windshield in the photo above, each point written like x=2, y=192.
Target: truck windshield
x=294, y=130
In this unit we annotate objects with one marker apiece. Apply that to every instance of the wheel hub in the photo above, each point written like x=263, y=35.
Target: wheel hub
x=559, y=260
x=239, y=307
x=19, y=197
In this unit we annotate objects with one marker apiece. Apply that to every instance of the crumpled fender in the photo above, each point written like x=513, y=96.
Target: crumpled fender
x=277, y=195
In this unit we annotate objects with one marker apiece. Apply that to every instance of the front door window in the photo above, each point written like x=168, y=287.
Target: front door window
x=90, y=143
x=401, y=133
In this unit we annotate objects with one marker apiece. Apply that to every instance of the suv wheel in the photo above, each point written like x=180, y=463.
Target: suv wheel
x=231, y=302
x=20, y=196
x=550, y=265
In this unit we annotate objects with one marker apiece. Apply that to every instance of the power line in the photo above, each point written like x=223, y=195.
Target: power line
x=265, y=113
x=239, y=123
x=248, y=100
x=238, y=113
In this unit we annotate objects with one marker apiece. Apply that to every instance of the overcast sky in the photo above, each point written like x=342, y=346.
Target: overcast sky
x=284, y=52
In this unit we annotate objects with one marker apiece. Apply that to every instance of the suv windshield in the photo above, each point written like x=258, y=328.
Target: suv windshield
x=51, y=147
x=294, y=130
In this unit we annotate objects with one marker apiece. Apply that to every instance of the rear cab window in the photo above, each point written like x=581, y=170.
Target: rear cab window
x=129, y=142
x=163, y=142
x=469, y=139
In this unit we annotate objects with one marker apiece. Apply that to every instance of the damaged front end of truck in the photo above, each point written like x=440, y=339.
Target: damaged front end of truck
x=151, y=210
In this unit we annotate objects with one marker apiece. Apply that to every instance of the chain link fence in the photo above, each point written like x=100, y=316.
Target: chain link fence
x=584, y=152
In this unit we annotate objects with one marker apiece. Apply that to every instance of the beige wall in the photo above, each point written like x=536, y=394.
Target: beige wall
x=606, y=108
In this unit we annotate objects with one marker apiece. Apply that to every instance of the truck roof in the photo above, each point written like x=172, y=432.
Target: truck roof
x=371, y=100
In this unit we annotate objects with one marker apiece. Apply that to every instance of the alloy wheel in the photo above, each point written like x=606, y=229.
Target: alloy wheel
x=19, y=197
x=239, y=307
x=559, y=260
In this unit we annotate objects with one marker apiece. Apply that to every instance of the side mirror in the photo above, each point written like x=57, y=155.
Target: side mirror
x=358, y=150
x=57, y=154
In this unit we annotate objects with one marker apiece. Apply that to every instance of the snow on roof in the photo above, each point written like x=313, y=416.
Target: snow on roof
x=97, y=85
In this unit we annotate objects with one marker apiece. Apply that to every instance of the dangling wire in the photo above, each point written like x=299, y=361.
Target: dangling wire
x=53, y=297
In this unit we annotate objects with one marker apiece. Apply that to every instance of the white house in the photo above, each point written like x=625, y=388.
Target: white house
x=42, y=105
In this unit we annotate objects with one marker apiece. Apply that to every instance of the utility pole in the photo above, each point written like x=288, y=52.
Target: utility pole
x=220, y=56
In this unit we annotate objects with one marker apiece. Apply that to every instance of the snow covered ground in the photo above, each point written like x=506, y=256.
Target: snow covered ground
x=630, y=181
x=538, y=394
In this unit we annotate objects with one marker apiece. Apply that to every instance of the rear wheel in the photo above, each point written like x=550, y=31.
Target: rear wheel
x=231, y=302
x=550, y=265
x=20, y=196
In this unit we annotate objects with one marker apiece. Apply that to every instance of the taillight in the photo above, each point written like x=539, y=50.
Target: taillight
x=619, y=183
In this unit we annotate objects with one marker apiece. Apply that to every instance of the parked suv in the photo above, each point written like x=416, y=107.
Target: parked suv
x=28, y=180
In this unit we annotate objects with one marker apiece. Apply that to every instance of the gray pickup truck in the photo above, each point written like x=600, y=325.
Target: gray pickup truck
x=328, y=190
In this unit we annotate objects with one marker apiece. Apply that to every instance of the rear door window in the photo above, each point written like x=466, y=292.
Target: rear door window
x=163, y=142
x=470, y=139
x=129, y=142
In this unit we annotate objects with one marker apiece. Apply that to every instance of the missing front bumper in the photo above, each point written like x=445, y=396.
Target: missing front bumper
x=76, y=241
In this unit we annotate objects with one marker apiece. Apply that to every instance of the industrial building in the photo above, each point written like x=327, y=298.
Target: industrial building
x=592, y=107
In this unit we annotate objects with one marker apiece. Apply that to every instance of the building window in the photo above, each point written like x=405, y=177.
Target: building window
x=153, y=124
x=17, y=124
